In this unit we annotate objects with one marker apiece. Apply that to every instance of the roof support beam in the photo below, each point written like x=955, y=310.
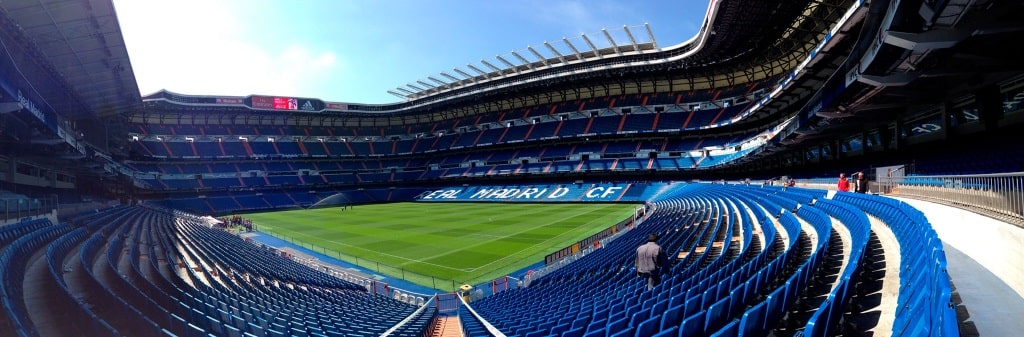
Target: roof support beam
x=592, y=47
x=489, y=65
x=522, y=59
x=632, y=40
x=574, y=50
x=651, y=35
x=425, y=84
x=934, y=39
x=538, y=55
x=450, y=77
x=612, y=41
x=553, y=50
x=477, y=69
x=463, y=73
x=406, y=91
x=506, y=62
x=397, y=94
x=432, y=78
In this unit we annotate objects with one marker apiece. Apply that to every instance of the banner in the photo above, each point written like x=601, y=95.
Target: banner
x=538, y=193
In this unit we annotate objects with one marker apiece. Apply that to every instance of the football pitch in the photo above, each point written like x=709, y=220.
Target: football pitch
x=445, y=242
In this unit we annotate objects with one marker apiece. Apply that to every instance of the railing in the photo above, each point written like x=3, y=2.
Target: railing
x=424, y=306
x=999, y=195
x=491, y=330
x=596, y=239
x=372, y=285
x=18, y=208
x=564, y=260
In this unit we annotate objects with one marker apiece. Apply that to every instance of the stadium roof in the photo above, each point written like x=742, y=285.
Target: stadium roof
x=81, y=44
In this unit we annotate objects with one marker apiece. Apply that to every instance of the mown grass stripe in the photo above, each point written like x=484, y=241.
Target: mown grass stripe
x=466, y=242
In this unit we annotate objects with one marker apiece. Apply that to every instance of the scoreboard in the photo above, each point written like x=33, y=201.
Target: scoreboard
x=285, y=103
x=275, y=103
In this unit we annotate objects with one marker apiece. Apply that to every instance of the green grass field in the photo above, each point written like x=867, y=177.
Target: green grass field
x=464, y=242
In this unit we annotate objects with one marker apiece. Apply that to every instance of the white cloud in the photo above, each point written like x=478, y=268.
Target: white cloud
x=201, y=47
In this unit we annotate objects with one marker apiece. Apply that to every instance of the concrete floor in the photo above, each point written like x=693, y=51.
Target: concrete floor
x=984, y=259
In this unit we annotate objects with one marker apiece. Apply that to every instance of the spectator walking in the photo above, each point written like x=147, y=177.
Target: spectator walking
x=651, y=261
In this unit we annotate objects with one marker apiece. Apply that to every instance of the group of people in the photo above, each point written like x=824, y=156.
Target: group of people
x=859, y=183
x=238, y=221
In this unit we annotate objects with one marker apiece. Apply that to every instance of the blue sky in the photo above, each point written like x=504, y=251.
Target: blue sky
x=356, y=50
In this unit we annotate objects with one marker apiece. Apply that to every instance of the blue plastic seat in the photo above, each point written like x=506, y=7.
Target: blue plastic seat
x=648, y=327
x=692, y=325
x=730, y=330
x=575, y=332
x=672, y=317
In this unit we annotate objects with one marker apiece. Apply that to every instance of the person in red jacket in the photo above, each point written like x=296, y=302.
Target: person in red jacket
x=843, y=185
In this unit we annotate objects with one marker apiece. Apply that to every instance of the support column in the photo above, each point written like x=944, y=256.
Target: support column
x=990, y=106
x=946, y=111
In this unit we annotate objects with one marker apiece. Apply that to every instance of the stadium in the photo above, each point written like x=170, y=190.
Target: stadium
x=508, y=198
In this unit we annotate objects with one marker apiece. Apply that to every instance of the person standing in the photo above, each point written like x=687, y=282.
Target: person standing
x=860, y=185
x=651, y=261
x=843, y=185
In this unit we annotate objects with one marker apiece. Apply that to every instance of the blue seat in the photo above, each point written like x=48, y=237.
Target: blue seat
x=716, y=315
x=692, y=325
x=624, y=333
x=618, y=325
x=639, y=317
x=648, y=327
x=575, y=332
x=670, y=332
x=232, y=331
x=559, y=329
x=194, y=331
x=692, y=307
x=730, y=330
x=672, y=317
x=753, y=321
x=597, y=325
x=537, y=333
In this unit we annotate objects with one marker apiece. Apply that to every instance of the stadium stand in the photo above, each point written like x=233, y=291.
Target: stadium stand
x=801, y=88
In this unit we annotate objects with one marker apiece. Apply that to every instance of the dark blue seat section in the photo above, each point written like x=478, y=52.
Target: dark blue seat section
x=700, y=225
x=826, y=318
x=923, y=304
x=722, y=283
x=13, y=263
x=15, y=231
x=148, y=272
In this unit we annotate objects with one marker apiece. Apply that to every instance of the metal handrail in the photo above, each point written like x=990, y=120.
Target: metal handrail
x=411, y=316
x=997, y=194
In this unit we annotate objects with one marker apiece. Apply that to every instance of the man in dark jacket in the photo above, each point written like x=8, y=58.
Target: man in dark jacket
x=651, y=261
x=860, y=184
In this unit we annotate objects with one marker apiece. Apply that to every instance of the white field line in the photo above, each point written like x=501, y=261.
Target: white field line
x=466, y=270
x=527, y=248
x=480, y=243
x=376, y=252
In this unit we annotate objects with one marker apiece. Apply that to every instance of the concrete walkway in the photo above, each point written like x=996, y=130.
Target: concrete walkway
x=984, y=261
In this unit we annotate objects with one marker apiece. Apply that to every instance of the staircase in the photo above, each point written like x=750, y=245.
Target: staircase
x=447, y=326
